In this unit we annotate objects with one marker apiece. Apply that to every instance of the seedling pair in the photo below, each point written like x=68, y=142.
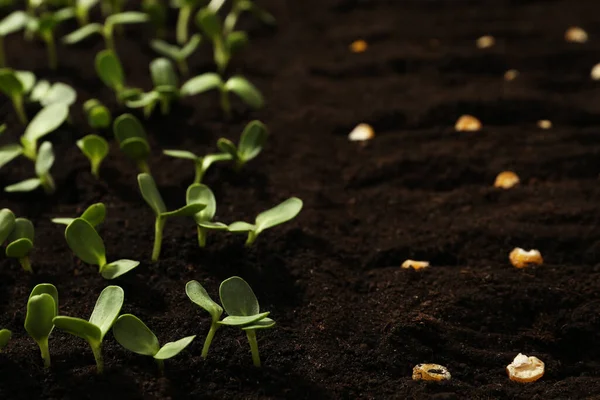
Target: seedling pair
x=15, y=85
x=133, y=140
x=95, y=148
x=12, y=23
x=45, y=25
x=42, y=308
x=110, y=71
x=176, y=53
x=198, y=193
x=241, y=305
x=18, y=233
x=43, y=162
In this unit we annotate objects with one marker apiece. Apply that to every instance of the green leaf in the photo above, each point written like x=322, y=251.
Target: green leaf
x=279, y=214
x=47, y=120
x=199, y=193
x=10, y=85
x=117, y=268
x=190, y=47
x=227, y=146
x=95, y=214
x=151, y=194
x=136, y=149
x=109, y=69
x=240, y=226
x=165, y=49
x=27, y=185
x=217, y=226
x=236, y=41
x=107, y=308
x=185, y=211
x=163, y=73
x=252, y=141
x=44, y=160
x=245, y=90
x=171, y=349
x=5, y=336
x=62, y=221
x=7, y=224
x=85, y=242
x=237, y=320
x=82, y=33
x=40, y=90
x=41, y=309
x=64, y=14
x=127, y=126
x=59, y=93
x=135, y=336
x=9, y=152
x=210, y=23
x=215, y=5
x=201, y=84
x=49, y=289
x=264, y=323
x=187, y=155
x=144, y=100
x=128, y=17
x=198, y=295
x=79, y=327
x=210, y=159
x=23, y=229
x=27, y=79
x=95, y=148
x=13, y=22
x=98, y=115
x=237, y=297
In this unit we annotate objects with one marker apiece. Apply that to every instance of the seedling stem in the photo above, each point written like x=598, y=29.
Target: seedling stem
x=143, y=166
x=51, y=45
x=225, y=104
x=182, y=24
x=251, y=334
x=18, y=105
x=26, y=264
x=97, y=351
x=158, y=229
x=209, y=339
x=45, y=350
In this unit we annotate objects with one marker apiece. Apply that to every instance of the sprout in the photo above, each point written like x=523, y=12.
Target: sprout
x=135, y=336
x=236, y=84
x=201, y=163
x=46, y=121
x=240, y=6
x=251, y=143
x=166, y=88
x=57, y=93
x=199, y=296
x=95, y=148
x=43, y=162
x=5, y=336
x=241, y=304
x=152, y=196
x=110, y=71
x=82, y=10
x=133, y=140
x=267, y=219
x=20, y=240
x=12, y=23
x=157, y=13
x=198, y=193
x=94, y=214
x=186, y=8
x=7, y=224
x=105, y=313
x=98, y=115
x=177, y=54
x=106, y=30
x=45, y=25
x=42, y=307
x=15, y=84
x=87, y=244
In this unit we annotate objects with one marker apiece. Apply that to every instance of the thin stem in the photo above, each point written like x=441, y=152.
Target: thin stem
x=202, y=236
x=143, y=166
x=97, y=350
x=109, y=37
x=48, y=183
x=182, y=24
x=183, y=67
x=225, y=104
x=161, y=366
x=2, y=57
x=209, y=338
x=95, y=164
x=159, y=225
x=17, y=101
x=251, y=334
x=51, y=46
x=82, y=14
x=199, y=171
x=45, y=350
x=26, y=264
x=165, y=104
x=251, y=238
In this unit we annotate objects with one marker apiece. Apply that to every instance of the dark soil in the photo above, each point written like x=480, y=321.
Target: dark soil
x=350, y=322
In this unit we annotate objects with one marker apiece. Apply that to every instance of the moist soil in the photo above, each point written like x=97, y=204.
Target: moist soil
x=350, y=322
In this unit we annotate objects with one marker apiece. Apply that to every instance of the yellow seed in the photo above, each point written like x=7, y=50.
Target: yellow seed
x=358, y=46
x=485, y=42
x=430, y=372
x=576, y=35
x=525, y=369
x=511, y=75
x=506, y=180
x=596, y=72
x=467, y=123
x=520, y=258
x=361, y=132
x=544, y=124
x=416, y=265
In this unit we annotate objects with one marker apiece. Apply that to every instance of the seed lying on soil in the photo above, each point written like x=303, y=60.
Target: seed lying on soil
x=416, y=265
x=521, y=258
x=511, y=75
x=361, y=132
x=506, y=180
x=544, y=124
x=467, y=123
x=576, y=35
x=430, y=372
x=358, y=46
x=595, y=74
x=485, y=42
x=525, y=369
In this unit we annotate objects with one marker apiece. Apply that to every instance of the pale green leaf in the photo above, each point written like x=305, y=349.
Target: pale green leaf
x=135, y=336
x=201, y=83
x=82, y=33
x=198, y=295
x=107, y=308
x=279, y=214
x=171, y=349
x=237, y=297
x=24, y=186
x=245, y=90
x=85, y=242
x=117, y=268
x=46, y=121
x=45, y=159
x=151, y=194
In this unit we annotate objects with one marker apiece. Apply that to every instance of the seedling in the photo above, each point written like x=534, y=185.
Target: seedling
x=277, y=215
x=251, y=143
x=94, y=215
x=7, y=224
x=42, y=307
x=45, y=26
x=135, y=336
x=43, y=162
x=95, y=148
x=176, y=53
x=241, y=304
x=105, y=313
x=16, y=84
x=186, y=8
x=236, y=84
x=198, y=193
x=110, y=71
x=12, y=23
x=198, y=295
x=82, y=10
x=152, y=196
x=98, y=115
x=87, y=244
x=20, y=242
x=201, y=163
x=241, y=6
x=133, y=140
x=47, y=94
x=166, y=88
x=5, y=336
x=106, y=30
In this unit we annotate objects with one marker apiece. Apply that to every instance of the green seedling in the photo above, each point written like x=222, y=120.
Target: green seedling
x=176, y=53
x=43, y=162
x=82, y=10
x=251, y=144
x=186, y=9
x=45, y=25
x=198, y=193
x=198, y=295
x=243, y=311
x=105, y=313
x=277, y=215
x=166, y=88
x=15, y=85
x=20, y=242
x=133, y=141
x=236, y=84
x=110, y=71
x=135, y=336
x=95, y=148
x=7, y=224
x=5, y=336
x=157, y=12
x=201, y=163
x=94, y=215
x=12, y=23
x=106, y=30
x=98, y=115
x=152, y=196
x=87, y=244
x=47, y=94
x=241, y=6
x=42, y=307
